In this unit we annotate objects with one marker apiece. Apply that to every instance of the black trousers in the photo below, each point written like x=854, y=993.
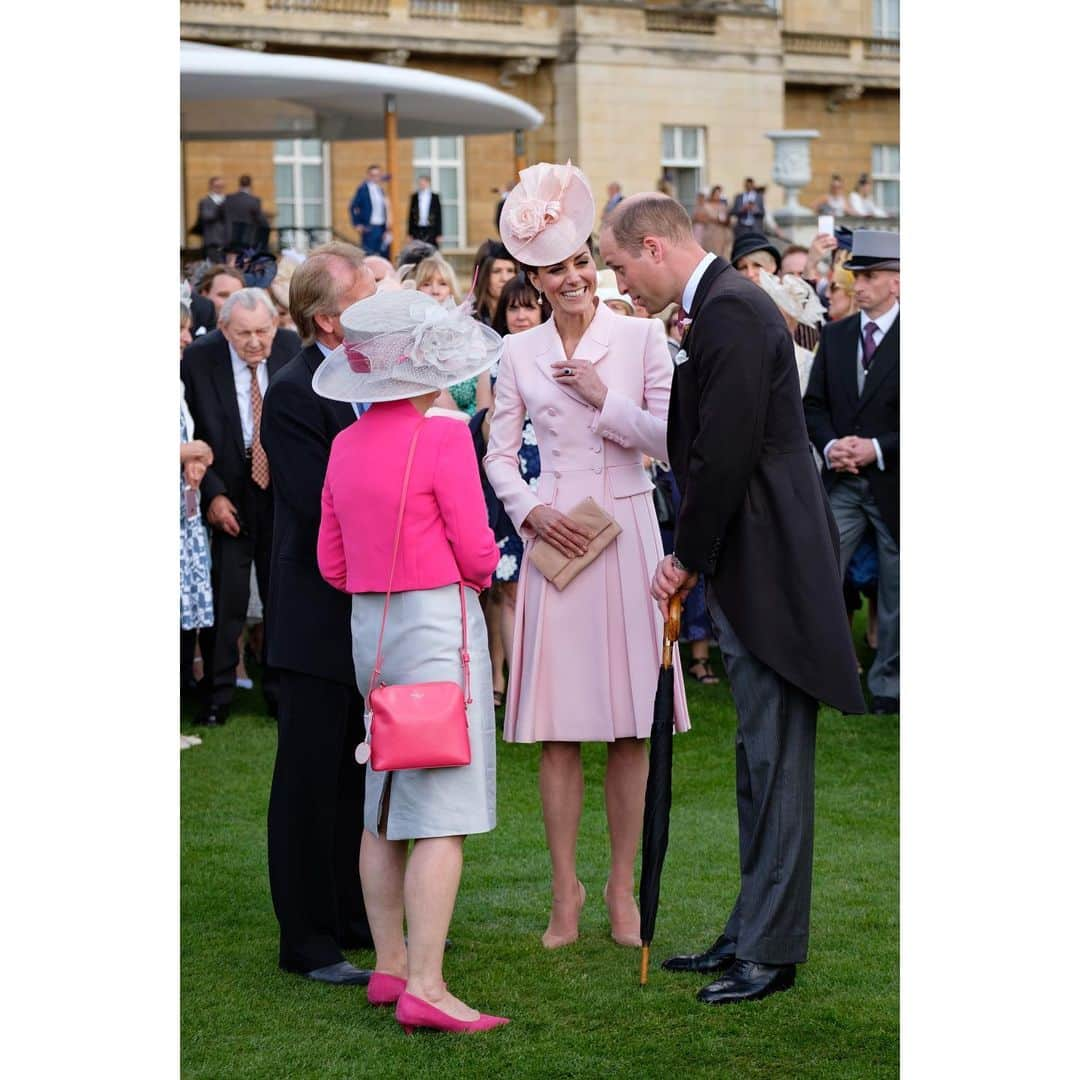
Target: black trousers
x=314, y=822
x=230, y=578
x=426, y=233
x=774, y=782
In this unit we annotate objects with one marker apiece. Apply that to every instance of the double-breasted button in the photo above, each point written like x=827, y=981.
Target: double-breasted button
x=556, y=452
x=558, y=475
x=597, y=469
x=552, y=431
x=552, y=411
x=596, y=449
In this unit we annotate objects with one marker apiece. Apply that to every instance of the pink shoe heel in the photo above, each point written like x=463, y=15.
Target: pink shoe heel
x=413, y=1012
x=383, y=989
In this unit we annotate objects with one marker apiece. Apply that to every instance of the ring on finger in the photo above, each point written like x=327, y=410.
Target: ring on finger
x=568, y=371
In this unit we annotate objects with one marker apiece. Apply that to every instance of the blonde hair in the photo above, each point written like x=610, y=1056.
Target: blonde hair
x=436, y=266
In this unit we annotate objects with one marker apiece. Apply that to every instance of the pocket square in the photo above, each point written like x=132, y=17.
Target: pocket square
x=681, y=357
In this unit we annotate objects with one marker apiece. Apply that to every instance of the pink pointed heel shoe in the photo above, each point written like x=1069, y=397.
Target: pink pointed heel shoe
x=413, y=1012
x=556, y=941
x=624, y=935
x=383, y=989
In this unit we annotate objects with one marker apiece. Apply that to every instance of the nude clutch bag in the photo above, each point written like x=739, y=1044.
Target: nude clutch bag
x=560, y=569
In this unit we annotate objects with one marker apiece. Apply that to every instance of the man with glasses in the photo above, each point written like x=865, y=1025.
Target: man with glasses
x=226, y=374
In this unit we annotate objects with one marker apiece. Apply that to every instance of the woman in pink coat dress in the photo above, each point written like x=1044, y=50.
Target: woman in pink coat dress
x=585, y=659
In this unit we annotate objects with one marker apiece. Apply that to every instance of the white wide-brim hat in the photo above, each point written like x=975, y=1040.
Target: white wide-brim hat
x=402, y=344
x=549, y=215
x=794, y=296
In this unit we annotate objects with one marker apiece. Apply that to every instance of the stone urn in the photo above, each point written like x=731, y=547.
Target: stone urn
x=791, y=170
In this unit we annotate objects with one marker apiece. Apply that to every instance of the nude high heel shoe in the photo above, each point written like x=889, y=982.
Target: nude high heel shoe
x=626, y=933
x=555, y=941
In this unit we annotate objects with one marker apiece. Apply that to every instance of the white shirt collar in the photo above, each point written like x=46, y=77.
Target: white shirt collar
x=882, y=322
x=324, y=349
x=695, y=280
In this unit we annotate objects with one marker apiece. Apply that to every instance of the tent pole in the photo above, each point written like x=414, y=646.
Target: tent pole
x=390, y=115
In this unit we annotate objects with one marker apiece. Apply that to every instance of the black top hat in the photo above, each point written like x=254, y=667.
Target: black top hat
x=874, y=249
x=749, y=242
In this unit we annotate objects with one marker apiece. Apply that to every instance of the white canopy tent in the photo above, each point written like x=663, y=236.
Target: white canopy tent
x=239, y=94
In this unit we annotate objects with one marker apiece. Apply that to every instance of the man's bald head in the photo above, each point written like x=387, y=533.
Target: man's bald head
x=333, y=277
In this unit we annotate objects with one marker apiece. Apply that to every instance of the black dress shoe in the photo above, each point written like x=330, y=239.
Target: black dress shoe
x=885, y=706
x=747, y=981
x=718, y=957
x=340, y=974
x=212, y=716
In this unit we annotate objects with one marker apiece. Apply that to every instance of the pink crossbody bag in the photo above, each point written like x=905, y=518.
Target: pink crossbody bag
x=416, y=725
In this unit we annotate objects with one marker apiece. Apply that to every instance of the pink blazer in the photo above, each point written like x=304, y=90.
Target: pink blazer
x=445, y=536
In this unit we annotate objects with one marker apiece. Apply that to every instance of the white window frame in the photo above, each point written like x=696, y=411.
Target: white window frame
x=887, y=19
x=681, y=160
x=883, y=172
x=296, y=159
x=430, y=165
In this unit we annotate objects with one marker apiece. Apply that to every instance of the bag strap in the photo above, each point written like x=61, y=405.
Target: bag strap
x=377, y=670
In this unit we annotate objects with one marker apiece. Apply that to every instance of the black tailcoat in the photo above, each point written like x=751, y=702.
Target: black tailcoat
x=754, y=517
x=835, y=409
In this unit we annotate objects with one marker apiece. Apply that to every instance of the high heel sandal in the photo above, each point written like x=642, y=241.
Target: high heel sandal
x=621, y=937
x=557, y=941
x=384, y=989
x=413, y=1012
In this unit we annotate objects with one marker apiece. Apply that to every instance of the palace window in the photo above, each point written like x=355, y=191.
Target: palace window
x=684, y=162
x=885, y=172
x=887, y=18
x=443, y=159
x=300, y=191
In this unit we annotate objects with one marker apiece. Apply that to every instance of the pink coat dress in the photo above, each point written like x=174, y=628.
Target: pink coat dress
x=585, y=660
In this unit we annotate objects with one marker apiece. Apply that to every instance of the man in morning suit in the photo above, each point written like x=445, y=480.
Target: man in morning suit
x=243, y=208
x=316, y=813
x=215, y=231
x=369, y=213
x=425, y=213
x=226, y=374
x=853, y=415
x=755, y=522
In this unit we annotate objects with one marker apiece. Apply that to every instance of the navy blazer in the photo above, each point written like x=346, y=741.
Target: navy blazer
x=360, y=207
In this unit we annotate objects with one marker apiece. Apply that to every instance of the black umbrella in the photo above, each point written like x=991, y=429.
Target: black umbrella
x=654, y=838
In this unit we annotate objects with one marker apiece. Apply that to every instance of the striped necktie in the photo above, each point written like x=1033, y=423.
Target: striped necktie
x=260, y=465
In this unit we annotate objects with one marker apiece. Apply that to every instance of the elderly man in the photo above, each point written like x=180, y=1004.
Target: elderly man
x=317, y=795
x=755, y=523
x=853, y=415
x=226, y=374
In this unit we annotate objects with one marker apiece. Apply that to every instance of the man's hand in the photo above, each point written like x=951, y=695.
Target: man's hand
x=860, y=451
x=221, y=514
x=841, y=458
x=669, y=581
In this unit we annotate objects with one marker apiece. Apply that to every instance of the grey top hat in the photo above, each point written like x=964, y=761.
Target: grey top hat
x=874, y=249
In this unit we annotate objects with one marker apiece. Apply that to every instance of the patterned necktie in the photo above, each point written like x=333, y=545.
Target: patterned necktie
x=260, y=466
x=869, y=346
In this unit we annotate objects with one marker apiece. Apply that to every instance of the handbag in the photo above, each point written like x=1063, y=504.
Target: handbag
x=416, y=725
x=561, y=569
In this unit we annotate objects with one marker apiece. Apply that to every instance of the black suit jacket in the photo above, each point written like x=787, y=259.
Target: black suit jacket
x=307, y=620
x=203, y=314
x=212, y=216
x=434, y=225
x=835, y=409
x=241, y=207
x=210, y=391
x=754, y=515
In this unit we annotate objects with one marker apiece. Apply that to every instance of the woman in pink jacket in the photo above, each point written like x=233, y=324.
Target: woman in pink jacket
x=400, y=350
x=596, y=386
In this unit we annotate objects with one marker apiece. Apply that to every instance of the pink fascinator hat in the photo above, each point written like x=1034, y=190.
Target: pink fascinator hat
x=549, y=215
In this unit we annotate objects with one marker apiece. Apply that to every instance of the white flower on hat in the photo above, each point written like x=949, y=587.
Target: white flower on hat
x=794, y=296
x=445, y=338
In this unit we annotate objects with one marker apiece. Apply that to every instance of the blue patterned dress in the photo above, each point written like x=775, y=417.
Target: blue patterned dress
x=196, y=596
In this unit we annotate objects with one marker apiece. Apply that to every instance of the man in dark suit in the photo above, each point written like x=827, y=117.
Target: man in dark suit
x=755, y=521
x=316, y=813
x=242, y=208
x=226, y=374
x=748, y=210
x=853, y=415
x=369, y=211
x=425, y=213
x=214, y=229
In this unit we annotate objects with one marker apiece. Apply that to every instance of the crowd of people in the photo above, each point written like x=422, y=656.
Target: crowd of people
x=386, y=460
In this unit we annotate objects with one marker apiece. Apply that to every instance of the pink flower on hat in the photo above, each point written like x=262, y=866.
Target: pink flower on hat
x=531, y=217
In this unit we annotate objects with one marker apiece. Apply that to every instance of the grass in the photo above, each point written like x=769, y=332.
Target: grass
x=577, y=1012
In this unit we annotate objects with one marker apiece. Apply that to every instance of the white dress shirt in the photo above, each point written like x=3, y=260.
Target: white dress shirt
x=242, y=378
x=695, y=280
x=378, y=204
x=423, y=206
x=883, y=324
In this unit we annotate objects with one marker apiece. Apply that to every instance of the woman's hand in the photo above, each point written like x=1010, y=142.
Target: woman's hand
x=196, y=450
x=558, y=530
x=581, y=376
x=822, y=244
x=194, y=471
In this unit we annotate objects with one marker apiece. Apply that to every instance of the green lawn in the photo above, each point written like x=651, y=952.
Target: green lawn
x=577, y=1012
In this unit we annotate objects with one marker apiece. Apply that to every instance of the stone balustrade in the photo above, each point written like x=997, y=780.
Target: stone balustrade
x=331, y=7
x=483, y=11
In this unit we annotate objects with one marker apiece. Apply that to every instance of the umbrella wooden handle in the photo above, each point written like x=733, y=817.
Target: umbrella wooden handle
x=671, y=628
x=644, y=964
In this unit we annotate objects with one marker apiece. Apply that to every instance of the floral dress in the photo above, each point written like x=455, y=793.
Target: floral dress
x=511, y=547
x=464, y=395
x=196, y=595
